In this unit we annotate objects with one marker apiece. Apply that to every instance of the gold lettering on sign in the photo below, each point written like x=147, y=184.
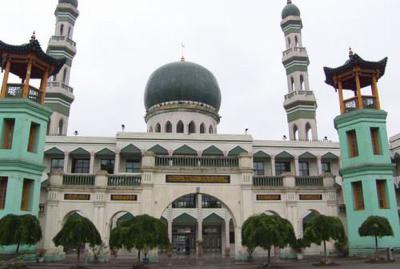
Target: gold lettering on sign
x=77, y=196
x=268, y=197
x=123, y=197
x=310, y=197
x=197, y=179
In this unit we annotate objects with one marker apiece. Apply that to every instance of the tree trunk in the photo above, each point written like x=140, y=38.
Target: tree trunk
x=17, y=251
x=325, y=254
x=139, y=261
x=78, y=252
x=376, y=248
x=269, y=257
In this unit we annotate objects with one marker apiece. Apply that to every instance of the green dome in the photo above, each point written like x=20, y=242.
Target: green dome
x=290, y=10
x=72, y=2
x=182, y=81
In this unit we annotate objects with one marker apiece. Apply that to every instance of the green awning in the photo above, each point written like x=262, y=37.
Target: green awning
x=105, y=153
x=158, y=150
x=80, y=152
x=213, y=219
x=184, y=219
x=284, y=155
x=54, y=152
x=307, y=156
x=131, y=150
x=261, y=155
x=329, y=156
x=236, y=151
x=185, y=150
x=212, y=151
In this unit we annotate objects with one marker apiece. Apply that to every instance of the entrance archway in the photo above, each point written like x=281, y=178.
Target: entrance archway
x=199, y=222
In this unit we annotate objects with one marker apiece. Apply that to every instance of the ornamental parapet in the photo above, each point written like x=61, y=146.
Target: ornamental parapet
x=290, y=181
x=101, y=180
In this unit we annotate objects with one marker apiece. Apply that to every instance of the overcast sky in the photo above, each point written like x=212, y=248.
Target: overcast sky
x=121, y=42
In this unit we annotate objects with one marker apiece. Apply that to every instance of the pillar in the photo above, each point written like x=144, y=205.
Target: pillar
x=25, y=93
x=273, y=165
x=169, y=221
x=91, y=168
x=375, y=92
x=319, y=165
x=66, y=160
x=5, y=80
x=296, y=166
x=341, y=101
x=43, y=85
x=199, y=219
x=116, y=162
x=358, y=90
x=227, y=242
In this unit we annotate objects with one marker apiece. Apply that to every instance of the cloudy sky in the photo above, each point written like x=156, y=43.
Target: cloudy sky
x=121, y=42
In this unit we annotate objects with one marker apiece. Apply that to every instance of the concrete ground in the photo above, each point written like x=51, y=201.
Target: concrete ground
x=212, y=262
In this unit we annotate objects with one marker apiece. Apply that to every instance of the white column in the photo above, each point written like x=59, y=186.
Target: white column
x=273, y=165
x=91, y=168
x=169, y=221
x=199, y=219
x=227, y=243
x=296, y=166
x=116, y=163
x=319, y=165
x=66, y=160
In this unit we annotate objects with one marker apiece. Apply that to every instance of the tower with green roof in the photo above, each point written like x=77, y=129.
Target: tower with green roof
x=60, y=94
x=300, y=103
x=23, y=124
x=366, y=166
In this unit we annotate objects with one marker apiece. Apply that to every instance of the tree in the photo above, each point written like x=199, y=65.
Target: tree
x=375, y=226
x=323, y=228
x=19, y=229
x=77, y=231
x=266, y=231
x=142, y=232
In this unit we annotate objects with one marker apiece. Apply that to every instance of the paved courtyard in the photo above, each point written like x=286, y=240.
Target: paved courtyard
x=218, y=262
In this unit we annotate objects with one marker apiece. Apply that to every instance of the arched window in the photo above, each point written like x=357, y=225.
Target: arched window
x=60, y=127
x=211, y=130
x=48, y=127
x=192, y=127
x=179, y=127
x=168, y=127
x=301, y=83
x=308, y=132
x=295, y=132
x=62, y=29
x=64, y=75
x=292, y=83
x=202, y=128
x=296, y=41
x=69, y=32
x=289, y=43
x=158, y=128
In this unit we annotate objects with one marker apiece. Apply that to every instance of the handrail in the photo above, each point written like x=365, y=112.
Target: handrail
x=15, y=90
x=309, y=181
x=79, y=179
x=294, y=49
x=194, y=161
x=295, y=93
x=60, y=84
x=272, y=181
x=124, y=180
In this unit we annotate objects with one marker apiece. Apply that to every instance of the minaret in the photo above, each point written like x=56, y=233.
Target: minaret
x=60, y=95
x=300, y=103
x=366, y=166
x=23, y=124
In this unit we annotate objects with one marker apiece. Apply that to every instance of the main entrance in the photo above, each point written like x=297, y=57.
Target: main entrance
x=199, y=222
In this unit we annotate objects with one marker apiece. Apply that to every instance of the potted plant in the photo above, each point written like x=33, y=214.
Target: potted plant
x=40, y=254
x=298, y=246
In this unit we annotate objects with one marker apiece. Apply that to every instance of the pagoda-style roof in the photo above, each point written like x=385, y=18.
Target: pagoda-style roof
x=42, y=61
x=355, y=62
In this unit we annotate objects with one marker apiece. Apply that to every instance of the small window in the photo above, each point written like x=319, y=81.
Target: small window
x=69, y=32
x=132, y=166
x=62, y=29
x=158, y=128
x=65, y=75
x=292, y=86
x=27, y=190
x=304, y=169
x=210, y=202
x=33, y=137
x=258, y=168
x=358, y=195
x=376, y=145
x=326, y=167
x=352, y=143
x=8, y=133
x=211, y=130
x=202, y=128
x=3, y=191
x=381, y=190
x=168, y=127
x=187, y=201
x=179, y=127
x=60, y=127
x=107, y=165
x=80, y=166
x=192, y=127
x=282, y=167
x=57, y=165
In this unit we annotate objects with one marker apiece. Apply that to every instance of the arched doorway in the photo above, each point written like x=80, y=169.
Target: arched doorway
x=199, y=222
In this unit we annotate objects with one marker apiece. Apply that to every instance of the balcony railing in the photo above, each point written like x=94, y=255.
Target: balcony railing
x=272, y=181
x=16, y=91
x=64, y=38
x=294, y=49
x=79, y=179
x=352, y=103
x=190, y=161
x=60, y=84
x=124, y=180
x=295, y=93
x=303, y=181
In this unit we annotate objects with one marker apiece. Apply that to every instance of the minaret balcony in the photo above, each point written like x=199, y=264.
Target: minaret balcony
x=298, y=93
x=368, y=102
x=57, y=84
x=62, y=39
x=16, y=91
x=294, y=51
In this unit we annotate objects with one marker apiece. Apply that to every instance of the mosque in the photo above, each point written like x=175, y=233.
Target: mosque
x=202, y=184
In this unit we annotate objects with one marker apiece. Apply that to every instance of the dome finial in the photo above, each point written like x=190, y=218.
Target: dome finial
x=289, y=2
x=182, y=52
x=33, y=37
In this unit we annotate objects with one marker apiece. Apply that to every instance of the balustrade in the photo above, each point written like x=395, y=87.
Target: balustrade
x=273, y=181
x=15, y=90
x=302, y=181
x=352, y=103
x=79, y=179
x=295, y=93
x=60, y=84
x=191, y=161
x=124, y=180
